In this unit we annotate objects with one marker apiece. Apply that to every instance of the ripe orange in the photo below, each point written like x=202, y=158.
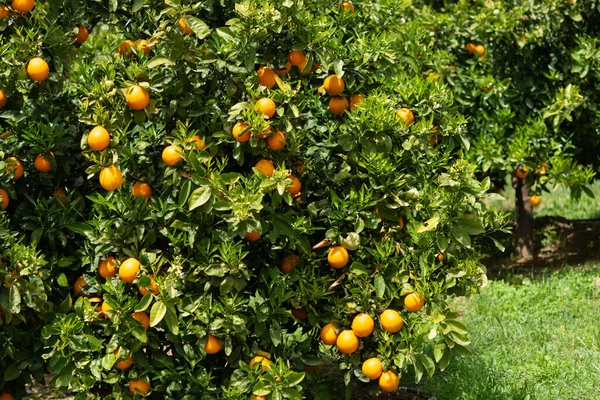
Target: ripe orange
x=522, y=172
x=98, y=138
x=23, y=6
x=264, y=362
x=372, y=368
x=200, y=145
x=152, y=288
x=6, y=396
x=338, y=257
x=295, y=187
x=42, y=164
x=406, y=115
x=535, y=200
x=470, y=48
x=288, y=263
x=79, y=283
x=296, y=58
x=329, y=334
x=125, y=363
x=299, y=313
x=142, y=318
x=237, y=132
x=363, y=325
x=60, y=195
x=252, y=236
x=400, y=222
x=338, y=105
x=388, y=381
x=391, y=320
x=333, y=85
x=107, y=267
x=298, y=166
x=141, y=46
x=413, y=302
x=106, y=308
x=542, y=169
x=265, y=167
x=126, y=46
x=37, y=69
x=265, y=106
x=254, y=398
x=266, y=77
x=285, y=69
x=141, y=189
x=5, y=199
x=440, y=257
x=82, y=35
x=348, y=6
x=480, y=50
x=355, y=100
x=183, y=26
x=171, y=155
x=213, y=345
x=304, y=71
x=3, y=98
x=15, y=165
x=111, y=178
x=347, y=342
x=276, y=141
x=137, y=97
x=5, y=12
x=139, y=387
x=129, y=270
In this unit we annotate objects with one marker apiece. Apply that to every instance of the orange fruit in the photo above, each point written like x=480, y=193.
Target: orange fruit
x=123, y=364
x=288, y=263
x=152, y=288
x=252, y=236
x=254, y=398
x=298, y=166
x=295, y=187
x=535, y=200
x=5, y=199
x=372, y=368
x=79, y=283
x=82, y=35
x=37, y=69
x=105, y=308
x=522, y=172
x=265, y=167
x=137, y=97
x=329, y=334
x=304, y=71
x=347, y=342
x=107, y=267
x=348, y=6
x=276, y=141
x=266, y=77
x=126, y=46
x=141, y=46
x=391, y=320
x=470, y=48
x=23, y=6
x=406, y=115
x=338, y=257
x=213, y=345
x=111, y=178
x=440, y=257
x=355, y=100
x=333, y=85
x=5, y=12
x=265, y=133
x=296, y=58
x=142, y=318
x=171, y=155
x=363, y=325
x=338, y=105
x=3, y=98
x=42, y=164
x=388, y=381
x=98, y=138
x=265, y=106
x=413, y=302
x=15, y=165
x=264, y=362
x=285, y=69
x=141, y=189
x=6, y=396
x=299, y=313
x=480, y=50
x=541, y=169
x=200, y=145
x=183, y=26
x=129, y=270
x=237, y=132
x=139, y=387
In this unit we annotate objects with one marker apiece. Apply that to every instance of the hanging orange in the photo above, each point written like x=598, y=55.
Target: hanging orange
x=265, y=106
x=82, y=35
x=137, y=97
x=295, y=187
x=266, y=77
x=23, y=6
x=213, y=345
x=111, y=178
x=108, y=267
x=171, y=155
x=98, y=138
x=237, y=132
x=338, y=105
x=265, y=167
x=276, y=141
x=15, y=165
x=129, y=270
x=37, y=69
x=42, y=164
x=5, y=199
x=338, y=257
x=3, y=99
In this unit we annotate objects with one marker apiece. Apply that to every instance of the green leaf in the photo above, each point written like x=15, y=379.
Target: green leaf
x=144, y=303
x=419, y=370
x=262, y=388
x=137, y=5
x=295, y=378
x=461, y=235
x=427, y=363
x=379, y=285
x=457, y=326
x=62, y=280
x=171, y=320
x=157, y=313
x=66, y=304
x=438, y=350
x=198, y=26
x=184, y=193
x=471, y=224
x=159, y=61
x=199, y=197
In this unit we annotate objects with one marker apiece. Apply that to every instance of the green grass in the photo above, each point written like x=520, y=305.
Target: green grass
x=559, y=203
x=536, y=340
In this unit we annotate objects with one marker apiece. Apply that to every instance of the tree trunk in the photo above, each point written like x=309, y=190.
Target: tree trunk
x=524, y=229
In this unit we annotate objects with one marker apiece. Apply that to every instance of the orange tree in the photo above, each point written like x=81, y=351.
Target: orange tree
x=219, y=200
x=523, y=74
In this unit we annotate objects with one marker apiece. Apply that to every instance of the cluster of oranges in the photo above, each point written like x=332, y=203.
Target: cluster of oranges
x=522, y=172
x=475, y=49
